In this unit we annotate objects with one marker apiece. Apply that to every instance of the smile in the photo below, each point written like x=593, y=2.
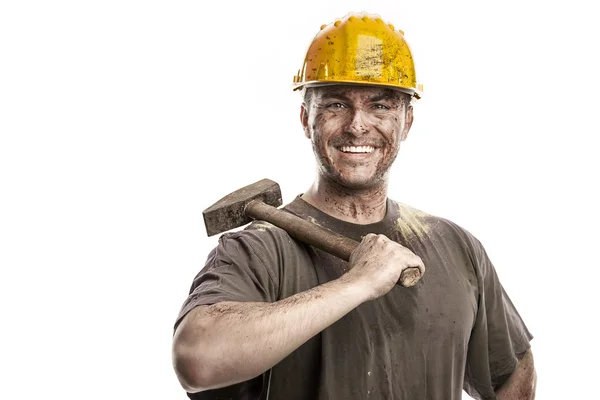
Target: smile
x=357, y=149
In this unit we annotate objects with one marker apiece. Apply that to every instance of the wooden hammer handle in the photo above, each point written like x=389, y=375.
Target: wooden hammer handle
x=317, y=236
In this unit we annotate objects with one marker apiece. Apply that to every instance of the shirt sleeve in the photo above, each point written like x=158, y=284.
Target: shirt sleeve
x=498, y=336
x=241, y=268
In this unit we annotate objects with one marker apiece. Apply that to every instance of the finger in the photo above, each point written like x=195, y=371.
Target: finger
x=418, y=262
x=371, y=236
x=409, y=277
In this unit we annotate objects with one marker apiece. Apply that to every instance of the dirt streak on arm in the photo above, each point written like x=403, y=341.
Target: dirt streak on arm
x=231, y=342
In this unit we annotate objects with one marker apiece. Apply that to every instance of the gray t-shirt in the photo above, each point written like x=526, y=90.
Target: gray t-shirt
x=455, y=329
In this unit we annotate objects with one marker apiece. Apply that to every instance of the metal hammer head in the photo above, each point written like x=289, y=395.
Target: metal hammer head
x=228, y=213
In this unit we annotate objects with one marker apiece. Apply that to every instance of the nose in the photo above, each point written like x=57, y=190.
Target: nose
x=357, y=124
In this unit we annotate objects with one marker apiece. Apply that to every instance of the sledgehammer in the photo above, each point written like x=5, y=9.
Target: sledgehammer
x=260, y=201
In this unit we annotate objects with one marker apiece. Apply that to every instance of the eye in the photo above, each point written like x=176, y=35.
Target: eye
x=380, y=107
x=337, y=105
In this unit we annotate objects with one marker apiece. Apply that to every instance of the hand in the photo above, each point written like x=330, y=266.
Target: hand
x=377, y=263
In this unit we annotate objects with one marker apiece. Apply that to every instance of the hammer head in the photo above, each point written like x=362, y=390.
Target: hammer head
x=228, y=213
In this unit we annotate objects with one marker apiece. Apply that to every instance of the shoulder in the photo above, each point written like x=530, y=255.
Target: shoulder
x=260, y=239
x=410, y=215
x=257, y=233
x=413, y=221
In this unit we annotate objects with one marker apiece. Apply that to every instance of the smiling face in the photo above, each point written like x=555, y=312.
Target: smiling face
x=356, y=131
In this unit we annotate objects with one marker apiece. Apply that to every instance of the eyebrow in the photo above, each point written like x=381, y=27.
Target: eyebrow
x=334, y=95
x=388, y=95
x=385, y=96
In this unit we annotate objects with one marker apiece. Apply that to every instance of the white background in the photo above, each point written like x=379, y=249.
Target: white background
x=121, y=121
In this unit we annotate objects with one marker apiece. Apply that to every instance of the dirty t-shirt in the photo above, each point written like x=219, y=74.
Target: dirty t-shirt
x=455, y=329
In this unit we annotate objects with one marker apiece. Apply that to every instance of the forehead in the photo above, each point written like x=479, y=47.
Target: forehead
x=356, y=92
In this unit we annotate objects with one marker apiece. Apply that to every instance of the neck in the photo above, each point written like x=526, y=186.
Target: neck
x=359, y=206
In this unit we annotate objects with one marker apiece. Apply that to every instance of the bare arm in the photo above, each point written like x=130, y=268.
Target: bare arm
x=230, y=342
x=521, y=384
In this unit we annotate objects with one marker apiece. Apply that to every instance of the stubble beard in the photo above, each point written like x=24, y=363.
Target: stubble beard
x=328, y=173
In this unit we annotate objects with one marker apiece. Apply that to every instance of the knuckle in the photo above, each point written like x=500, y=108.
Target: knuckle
x=379, y=237
x=397, y=251
x=368, y=238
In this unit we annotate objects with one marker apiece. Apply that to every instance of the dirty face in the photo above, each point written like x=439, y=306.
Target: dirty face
x=356, y=132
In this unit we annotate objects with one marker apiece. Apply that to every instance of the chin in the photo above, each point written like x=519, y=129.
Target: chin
x=359, y=182
x=352, y=178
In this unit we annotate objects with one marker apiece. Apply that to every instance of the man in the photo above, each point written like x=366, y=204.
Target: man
x=270, y=317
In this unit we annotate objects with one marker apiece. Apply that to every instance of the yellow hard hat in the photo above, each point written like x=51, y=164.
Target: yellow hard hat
x=359, y=48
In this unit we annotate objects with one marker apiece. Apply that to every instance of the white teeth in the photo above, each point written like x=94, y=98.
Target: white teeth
x=357, y=149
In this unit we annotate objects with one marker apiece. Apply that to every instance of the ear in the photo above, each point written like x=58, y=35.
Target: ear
x=407, y=123
x=304, y=120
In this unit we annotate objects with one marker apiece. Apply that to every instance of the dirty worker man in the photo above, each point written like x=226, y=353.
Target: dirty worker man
x=270, y=317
